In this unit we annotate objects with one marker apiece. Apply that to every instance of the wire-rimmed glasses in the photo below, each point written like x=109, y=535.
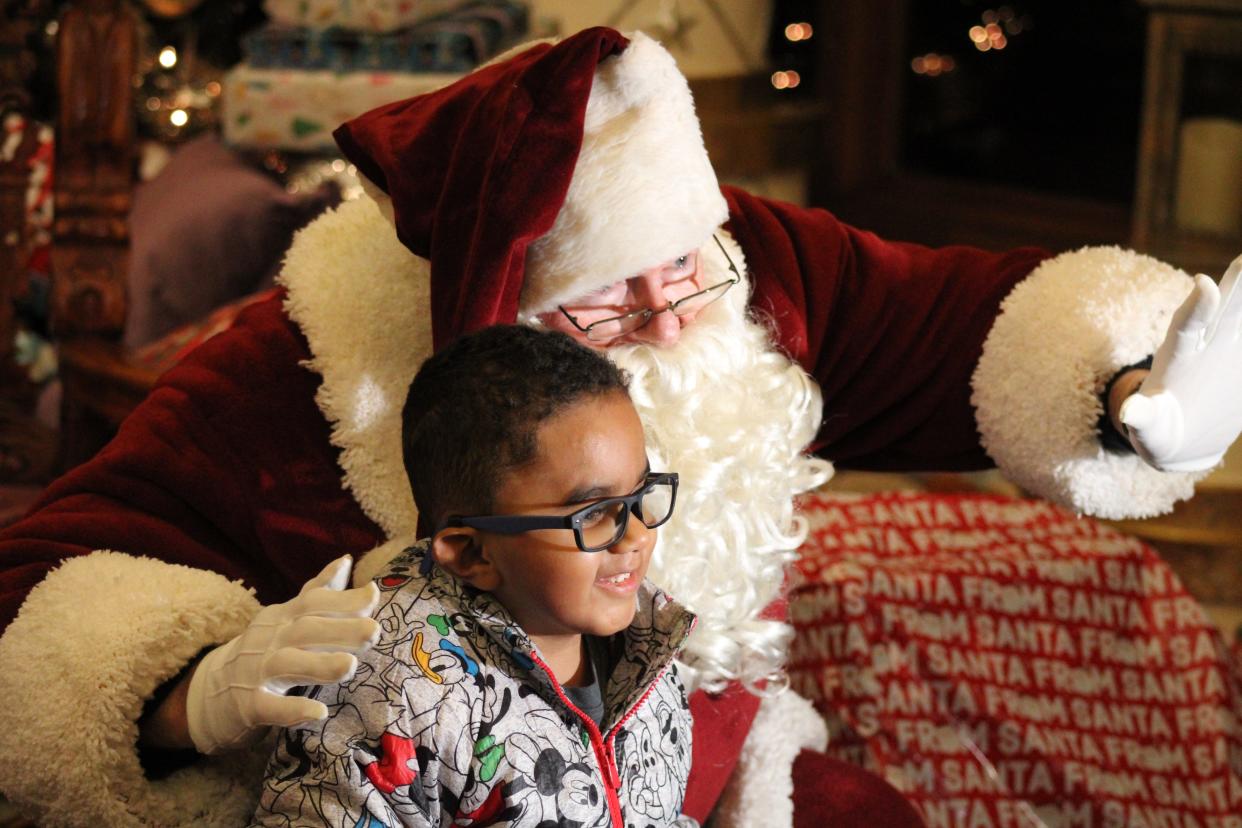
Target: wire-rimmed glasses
x=606, y=330
x=597, y=525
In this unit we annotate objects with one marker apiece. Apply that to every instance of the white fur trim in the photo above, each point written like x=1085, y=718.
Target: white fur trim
x=361, y=299
x=760, y=791
x=372, y=563
x=92, y=641
x=643, y=189
x=381, y=199
x=1062, y=333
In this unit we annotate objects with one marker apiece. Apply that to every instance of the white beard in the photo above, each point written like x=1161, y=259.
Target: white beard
x=731, y=416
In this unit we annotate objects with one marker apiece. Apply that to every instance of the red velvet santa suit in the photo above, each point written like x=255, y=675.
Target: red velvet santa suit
x=252, y=465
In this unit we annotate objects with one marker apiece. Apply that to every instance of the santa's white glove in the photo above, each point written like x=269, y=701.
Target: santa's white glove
x=1188, y=410
x=238, y=689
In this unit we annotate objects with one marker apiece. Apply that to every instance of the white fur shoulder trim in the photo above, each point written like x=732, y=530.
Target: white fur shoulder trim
x=372, y=563
x=760, y=791
x=1062, y=333
x=361, y=297
x=91, y=642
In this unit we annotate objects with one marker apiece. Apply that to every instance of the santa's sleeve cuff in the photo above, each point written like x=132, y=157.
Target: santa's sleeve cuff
x=91, y=643
x=1061, y=335
x=760, y=791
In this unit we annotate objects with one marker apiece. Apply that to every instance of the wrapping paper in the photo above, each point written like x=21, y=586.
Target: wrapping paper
x=455, y=42
x=1005, y=663
x=362, y=15
x=295, y=110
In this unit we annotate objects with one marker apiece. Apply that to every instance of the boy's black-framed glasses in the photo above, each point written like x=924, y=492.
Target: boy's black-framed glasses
x=597, y=525
x=606, y=330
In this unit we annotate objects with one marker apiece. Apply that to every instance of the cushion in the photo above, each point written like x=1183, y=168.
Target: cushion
x=207, y=229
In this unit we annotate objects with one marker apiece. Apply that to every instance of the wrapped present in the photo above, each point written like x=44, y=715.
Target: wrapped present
x=1004, y=662
x=293, y=110
x=360, y=15
x=455, y=42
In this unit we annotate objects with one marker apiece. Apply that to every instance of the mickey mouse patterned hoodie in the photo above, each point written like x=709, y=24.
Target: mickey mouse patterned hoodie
x=454, y=719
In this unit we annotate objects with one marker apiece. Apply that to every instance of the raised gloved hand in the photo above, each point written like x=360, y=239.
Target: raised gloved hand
x=238, y=689
x=1188, y=411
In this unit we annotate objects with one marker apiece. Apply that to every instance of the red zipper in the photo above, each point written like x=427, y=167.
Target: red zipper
x=603, y=753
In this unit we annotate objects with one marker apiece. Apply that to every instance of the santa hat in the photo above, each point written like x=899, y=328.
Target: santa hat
x=542, y=177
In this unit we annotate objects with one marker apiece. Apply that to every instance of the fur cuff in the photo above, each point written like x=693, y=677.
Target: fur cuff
x=760, y=791
x=1061, y=335
x=91, y=643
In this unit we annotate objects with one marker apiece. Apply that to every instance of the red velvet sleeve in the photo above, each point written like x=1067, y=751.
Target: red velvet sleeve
x=226, y=466
x=891, y=331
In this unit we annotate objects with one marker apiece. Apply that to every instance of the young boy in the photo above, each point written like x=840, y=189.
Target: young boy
x=525, y=672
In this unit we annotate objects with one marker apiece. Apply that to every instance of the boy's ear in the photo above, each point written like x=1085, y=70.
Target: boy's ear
x=459, y=551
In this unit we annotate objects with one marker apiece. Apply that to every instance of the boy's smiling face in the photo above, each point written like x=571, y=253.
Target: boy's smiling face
x=592, y=449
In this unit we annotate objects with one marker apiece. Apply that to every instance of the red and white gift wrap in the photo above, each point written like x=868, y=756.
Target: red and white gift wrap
x=1005, y=663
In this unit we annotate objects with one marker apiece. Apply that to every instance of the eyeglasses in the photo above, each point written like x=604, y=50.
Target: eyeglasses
x=609, y=329
x=597, y=525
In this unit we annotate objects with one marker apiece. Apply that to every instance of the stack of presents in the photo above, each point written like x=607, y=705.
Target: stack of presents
x=318, y=63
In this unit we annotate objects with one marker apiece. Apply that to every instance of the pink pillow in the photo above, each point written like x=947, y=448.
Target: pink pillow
x=208, y=229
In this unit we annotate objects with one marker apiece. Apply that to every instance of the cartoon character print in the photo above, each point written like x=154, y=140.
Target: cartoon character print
x=645, y=650
x=473, y=756
x=449, y=720
x=325, y=769
x=653, y=753
x=552, y=786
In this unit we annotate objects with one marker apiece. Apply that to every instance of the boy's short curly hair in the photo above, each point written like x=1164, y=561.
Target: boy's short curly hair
x=473, y=410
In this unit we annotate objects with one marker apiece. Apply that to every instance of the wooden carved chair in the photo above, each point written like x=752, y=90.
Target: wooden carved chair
x=106, y=240
x=94, y=182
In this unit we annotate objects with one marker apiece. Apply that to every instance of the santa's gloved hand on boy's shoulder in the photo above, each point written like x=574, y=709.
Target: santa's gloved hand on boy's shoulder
x=238, y=689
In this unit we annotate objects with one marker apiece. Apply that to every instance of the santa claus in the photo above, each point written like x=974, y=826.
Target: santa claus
x=565, y=186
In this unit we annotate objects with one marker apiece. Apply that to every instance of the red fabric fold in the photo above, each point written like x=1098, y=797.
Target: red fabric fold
x=479, y=170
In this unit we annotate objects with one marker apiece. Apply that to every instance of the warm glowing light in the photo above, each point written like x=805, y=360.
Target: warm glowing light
x=153, y=104
x=992, y=30
x=178, y=117
x=798, y=31
x=213, y=89
x=999, y=42
x=983, y=46
x=786, y=79
x=978, y=34
x=168, y=57
x=338, y=165
x=932, y=64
